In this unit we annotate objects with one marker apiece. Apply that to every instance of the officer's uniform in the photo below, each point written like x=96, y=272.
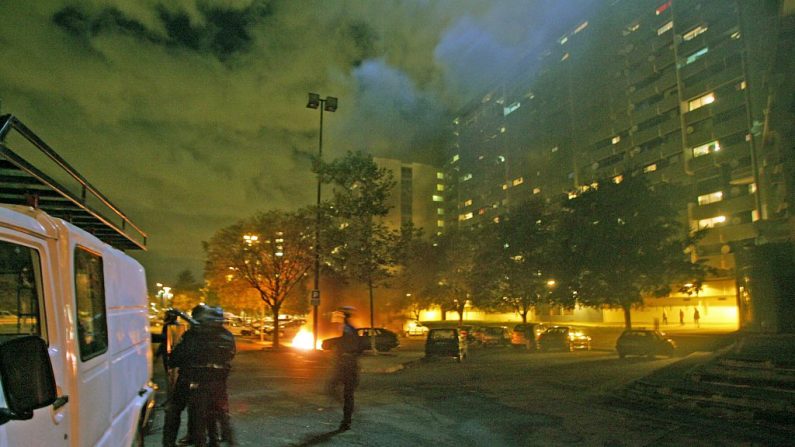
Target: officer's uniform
x=346, y=371
x=203, y=358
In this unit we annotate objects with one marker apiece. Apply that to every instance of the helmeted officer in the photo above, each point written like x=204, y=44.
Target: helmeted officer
x=203, y=357
x=346, y=368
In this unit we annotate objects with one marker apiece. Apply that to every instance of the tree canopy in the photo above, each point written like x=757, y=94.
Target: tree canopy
x=625, y=241
x=266, y=255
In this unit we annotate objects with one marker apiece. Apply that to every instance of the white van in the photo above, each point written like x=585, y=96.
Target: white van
x=75, y=352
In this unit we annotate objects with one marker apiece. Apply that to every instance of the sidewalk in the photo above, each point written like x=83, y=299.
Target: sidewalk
x=751, y=381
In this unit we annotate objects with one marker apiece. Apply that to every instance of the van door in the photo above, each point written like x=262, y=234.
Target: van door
x=93, y=378
x=26, y=308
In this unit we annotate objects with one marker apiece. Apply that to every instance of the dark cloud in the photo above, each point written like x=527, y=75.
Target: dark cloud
x=190, y=114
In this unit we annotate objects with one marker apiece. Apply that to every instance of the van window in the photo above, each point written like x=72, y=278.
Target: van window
x=20, y=291
x=92, y=328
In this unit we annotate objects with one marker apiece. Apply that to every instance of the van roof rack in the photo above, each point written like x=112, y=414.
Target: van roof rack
x=32, y=173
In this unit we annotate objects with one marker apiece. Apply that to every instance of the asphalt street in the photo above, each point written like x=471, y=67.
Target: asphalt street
x=499, y=396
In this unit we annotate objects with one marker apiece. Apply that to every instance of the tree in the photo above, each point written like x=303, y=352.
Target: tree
x=361, y=246
x=457, y=274
x=414, y=276
x=269, y=254
x=520, y=261
x=625, y=241
x=186, y=291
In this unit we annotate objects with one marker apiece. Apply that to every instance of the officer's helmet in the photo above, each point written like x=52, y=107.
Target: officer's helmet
x=211, y=315
x=198, y=310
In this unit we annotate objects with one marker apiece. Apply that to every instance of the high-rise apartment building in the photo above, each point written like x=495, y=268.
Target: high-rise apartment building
x=417, y=197
x=696, y=92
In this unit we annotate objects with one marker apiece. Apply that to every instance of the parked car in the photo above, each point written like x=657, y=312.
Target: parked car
x=495, y=336
x=385, y=340
x=646, y=342
x=414, y=327
x=563, y=338
x=526, y=335
x=447, y=342
x=474, y=334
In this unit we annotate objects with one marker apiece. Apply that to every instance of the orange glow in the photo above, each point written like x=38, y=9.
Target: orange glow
x=303, y=340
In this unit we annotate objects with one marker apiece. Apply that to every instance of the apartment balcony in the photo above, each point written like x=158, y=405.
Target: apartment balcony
x=664, y=60
x=697, y=115
x=732, y=126
x=729, y=233
x=726, y=207
x=667, y=104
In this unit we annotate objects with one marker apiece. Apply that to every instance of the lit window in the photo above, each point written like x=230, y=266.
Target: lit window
x=572, y=195
x=650, y=168
x=505, y=186
x=581, y=27
x=565, y=56
x=736, y=35
x=696, y=56
x=503, y=129
x=665, y=28
x=439, y=187
x=468, y=202
x=706, y=149
x=712, y=197
x=555, y=149
x=496, y=219
x=741, y=85
x=701, y=101
x=501, y=159
x=440, y=211
x=455, y=158
x=663, y=7
x=510, y=109
x=616, y=139
x=536, y=190
x=690, y=35
x=440, y=223
x=438, y=198
x=440, y=175
x=754, y=215
x=466, y=216
x=518, y=181
x=711, y=222
x=482, y=211
x=466, y=177
x=564, y=39
x=618, y=179
x=752, y=188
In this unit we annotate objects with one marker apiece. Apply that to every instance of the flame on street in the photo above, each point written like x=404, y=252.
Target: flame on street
x=303, y=340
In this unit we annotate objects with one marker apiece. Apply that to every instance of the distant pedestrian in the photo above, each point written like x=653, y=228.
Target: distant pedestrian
x=696, y=317
x=665, y=318
x=346, y=367
x=681, y=317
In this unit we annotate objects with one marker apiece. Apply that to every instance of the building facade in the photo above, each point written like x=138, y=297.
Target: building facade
x=695, y=92
x=417, y=197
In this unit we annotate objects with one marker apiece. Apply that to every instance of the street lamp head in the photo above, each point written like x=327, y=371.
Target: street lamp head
x=314, y=101
x=330, y=104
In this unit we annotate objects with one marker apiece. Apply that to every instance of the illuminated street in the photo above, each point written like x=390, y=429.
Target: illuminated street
x=499, y=396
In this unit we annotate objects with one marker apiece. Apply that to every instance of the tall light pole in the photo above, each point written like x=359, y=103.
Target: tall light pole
x=329, y=104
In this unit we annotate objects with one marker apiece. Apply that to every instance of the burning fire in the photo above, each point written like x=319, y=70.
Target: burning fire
x=303, y=339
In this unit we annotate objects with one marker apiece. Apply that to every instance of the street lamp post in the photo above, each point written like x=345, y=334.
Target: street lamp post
x=329, y=104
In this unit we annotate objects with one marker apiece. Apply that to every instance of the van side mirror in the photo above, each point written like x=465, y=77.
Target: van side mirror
x=27, y=376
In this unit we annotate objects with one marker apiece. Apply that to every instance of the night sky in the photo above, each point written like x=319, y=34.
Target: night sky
x=190, y=114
